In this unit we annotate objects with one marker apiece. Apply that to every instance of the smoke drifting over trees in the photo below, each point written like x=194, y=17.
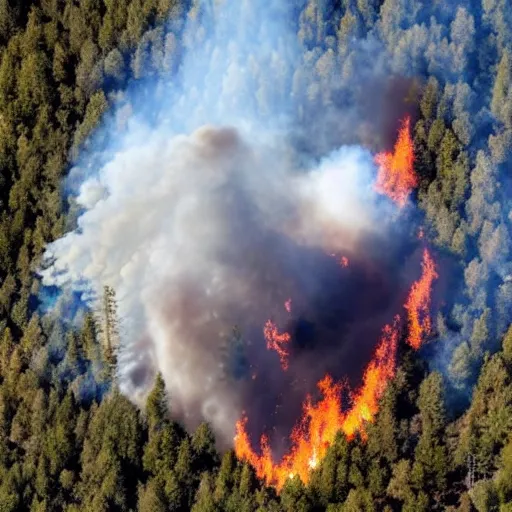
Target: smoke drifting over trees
x=200, y=232
x=210, y=200
x=209, y=161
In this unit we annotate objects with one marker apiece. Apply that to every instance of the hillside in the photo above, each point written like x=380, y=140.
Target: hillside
x=210, y=208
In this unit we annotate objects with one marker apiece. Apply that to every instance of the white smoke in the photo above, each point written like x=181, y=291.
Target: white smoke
x=182, y=220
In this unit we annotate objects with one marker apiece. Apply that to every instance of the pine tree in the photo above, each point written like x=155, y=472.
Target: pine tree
x=151, y=498
x=156, y=405
x=204, y=501
x=507, y=346
x=500, y=103
x=430, y=466
x=294, y=497
x=88, y=337
x=224, y=481
x=109, y=327
x=205, y=454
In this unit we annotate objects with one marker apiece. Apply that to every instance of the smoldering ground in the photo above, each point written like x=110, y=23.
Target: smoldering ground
x=211, y=215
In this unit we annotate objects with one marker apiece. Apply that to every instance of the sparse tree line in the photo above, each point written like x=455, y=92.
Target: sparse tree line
x=70, y=441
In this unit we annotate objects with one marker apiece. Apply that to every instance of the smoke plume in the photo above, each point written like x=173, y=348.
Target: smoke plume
x=225, y=195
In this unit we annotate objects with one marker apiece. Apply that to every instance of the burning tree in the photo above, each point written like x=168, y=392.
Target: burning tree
x=397, y=178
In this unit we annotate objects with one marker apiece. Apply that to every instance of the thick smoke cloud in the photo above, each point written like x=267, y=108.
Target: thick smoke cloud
x=214, y=205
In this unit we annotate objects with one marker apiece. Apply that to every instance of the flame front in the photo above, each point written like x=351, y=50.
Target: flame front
x=320, y=422
x=418, y=303
x=396, y=177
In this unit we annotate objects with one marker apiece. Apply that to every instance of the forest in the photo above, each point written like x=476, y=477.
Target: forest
x=71, y=440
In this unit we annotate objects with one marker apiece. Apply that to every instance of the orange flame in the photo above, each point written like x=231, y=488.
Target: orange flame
x=288, y=305
x=342, y=260
x=277, y=342
x=320, y=422
x=418, y=303
x=396, y=177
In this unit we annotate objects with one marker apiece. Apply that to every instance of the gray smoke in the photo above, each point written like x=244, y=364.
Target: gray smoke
x=213, y=210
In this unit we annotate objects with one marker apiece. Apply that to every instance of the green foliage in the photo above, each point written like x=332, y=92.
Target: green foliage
x=430, y=99
x=205, y=501
x=430, y=467
x=114, y=65
x=111, y=455
x=461, y=365
x=294, y=496
x=507, y=345
x=489, y=418
x=156, y=405
x=383, y=440
x=70, y=441
x=96, y=107
x=151, y=497
x=500, y=103
x=203, y=445
x=484, y=497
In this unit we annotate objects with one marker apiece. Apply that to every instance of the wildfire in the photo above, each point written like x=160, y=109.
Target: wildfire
x=418, y=303
x=342, y=260
x=320, y=422
x=396, y=177
x=288, y=305
x=278, y=342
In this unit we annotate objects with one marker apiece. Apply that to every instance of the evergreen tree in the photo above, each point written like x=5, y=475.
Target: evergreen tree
x=430, y=466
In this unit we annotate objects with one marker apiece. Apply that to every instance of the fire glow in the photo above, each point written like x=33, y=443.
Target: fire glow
x=321, y=421
x=396, y=177
x=418, y=303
